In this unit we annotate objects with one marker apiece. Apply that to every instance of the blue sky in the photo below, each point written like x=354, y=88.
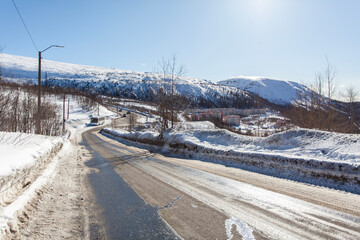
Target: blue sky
x=214, y=39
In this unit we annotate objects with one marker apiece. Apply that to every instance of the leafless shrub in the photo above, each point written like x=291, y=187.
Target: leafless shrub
x=18, y=112
x=351, y=95
x=317, y=109
x=169, y=102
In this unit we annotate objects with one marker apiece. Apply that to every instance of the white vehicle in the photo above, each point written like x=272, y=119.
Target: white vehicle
x=97, y=120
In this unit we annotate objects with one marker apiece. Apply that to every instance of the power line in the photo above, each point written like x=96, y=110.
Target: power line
x=25, y=26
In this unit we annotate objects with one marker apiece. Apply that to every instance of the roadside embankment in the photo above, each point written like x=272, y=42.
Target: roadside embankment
x=26, y=164
x=315, y=157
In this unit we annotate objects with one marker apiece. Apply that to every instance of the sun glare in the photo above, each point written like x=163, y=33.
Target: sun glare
x=259, y=8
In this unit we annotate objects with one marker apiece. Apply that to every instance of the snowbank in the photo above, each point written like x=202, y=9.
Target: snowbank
x=316, y=144
x=16, y=209
x=322, y=158
x=22, y=155
x=23, y=160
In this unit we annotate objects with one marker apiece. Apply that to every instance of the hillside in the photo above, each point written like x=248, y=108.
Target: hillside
x=276, y=91
x=115, y=82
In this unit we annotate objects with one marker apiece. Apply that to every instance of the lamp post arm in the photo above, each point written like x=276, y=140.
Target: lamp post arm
x=51, y=47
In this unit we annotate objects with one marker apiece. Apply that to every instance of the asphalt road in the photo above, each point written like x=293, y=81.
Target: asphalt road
x=126, y=215
x=150, y=196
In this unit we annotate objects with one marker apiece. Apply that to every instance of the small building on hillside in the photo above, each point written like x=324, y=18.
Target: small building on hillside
x=280, y=123
x=210, y=114
x=219, y=113
x=251, y=111
x=232, y=120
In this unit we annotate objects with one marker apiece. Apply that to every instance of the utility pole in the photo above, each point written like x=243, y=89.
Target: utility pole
x=68, y=108
x=64, y=114
x=38, y=118
x=46, y=80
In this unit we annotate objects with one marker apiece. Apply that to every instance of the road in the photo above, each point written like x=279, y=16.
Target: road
x=152, y=196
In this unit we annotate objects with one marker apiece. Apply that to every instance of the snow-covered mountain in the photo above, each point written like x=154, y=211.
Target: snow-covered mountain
x=115, y=82
x=275, y=91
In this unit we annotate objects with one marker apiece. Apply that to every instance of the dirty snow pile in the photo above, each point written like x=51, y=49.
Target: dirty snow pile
x=323, y=158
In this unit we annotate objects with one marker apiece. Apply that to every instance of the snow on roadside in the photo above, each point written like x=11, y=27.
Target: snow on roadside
x=21, y=156
x=304, y=143
x=28, y=162
x=316, y=157
x=12, y=213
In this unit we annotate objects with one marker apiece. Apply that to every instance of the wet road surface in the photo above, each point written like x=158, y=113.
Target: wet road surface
x=126, y=215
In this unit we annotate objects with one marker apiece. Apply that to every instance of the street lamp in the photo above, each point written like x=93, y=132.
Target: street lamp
x=38, y=121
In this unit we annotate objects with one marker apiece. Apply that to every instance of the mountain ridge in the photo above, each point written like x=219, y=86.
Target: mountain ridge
x=281, y=92
x=122, y=83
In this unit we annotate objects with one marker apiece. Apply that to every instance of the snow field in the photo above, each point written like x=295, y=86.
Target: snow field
x=297, y=154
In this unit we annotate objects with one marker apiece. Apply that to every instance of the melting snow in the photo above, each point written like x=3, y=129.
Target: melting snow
x=242, y=228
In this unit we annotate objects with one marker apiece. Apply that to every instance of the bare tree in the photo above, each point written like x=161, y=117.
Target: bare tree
x=132, y=121
x=330, y=75
x=163, y=109
x=317, y=108
x=171, y=71
x=318, y=89
x=351, y=95
x=323, y=97
x=17, y=112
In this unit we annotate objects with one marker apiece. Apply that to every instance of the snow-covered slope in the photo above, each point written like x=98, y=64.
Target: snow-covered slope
x=275, y=91
x=317, y=157
x=110, y=81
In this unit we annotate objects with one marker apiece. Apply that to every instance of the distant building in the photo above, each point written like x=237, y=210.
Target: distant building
x=220, y=113
x=232, y=120
x=251, y=111
x=280, y=123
